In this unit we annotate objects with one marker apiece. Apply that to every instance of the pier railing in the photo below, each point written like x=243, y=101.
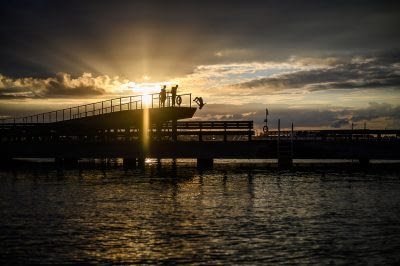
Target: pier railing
x=334, y=134
x=136, y=102
x=210, y=128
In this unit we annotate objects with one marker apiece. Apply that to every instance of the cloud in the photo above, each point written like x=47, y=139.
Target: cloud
x=356, y=73
x=375, y=115
x=165, y=40
x=60, y=86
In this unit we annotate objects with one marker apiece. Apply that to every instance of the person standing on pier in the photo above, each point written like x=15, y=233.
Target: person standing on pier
x=163, y=96
x=173, y=94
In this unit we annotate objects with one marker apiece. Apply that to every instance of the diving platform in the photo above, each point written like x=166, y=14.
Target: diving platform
x=127, y=113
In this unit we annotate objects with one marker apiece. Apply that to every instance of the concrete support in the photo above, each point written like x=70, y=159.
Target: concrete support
x=68, y=162
x=205, y=163
x=129, y=162
x=285, y=162
x=158, y=131
x=364, y=162
x=6, y=161
x=141, y=162
x=174, y=130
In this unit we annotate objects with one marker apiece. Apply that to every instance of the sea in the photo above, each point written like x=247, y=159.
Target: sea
x=171, y=212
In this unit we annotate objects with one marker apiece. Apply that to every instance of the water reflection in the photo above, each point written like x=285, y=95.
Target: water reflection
x=171, y=214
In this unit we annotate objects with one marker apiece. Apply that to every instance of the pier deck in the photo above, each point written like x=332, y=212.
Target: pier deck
x=108, y=130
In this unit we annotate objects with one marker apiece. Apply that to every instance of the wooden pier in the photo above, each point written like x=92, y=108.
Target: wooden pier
x=127, y=128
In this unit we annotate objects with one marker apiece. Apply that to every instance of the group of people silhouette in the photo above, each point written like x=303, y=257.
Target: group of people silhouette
x=163, y=95
x=175, y=99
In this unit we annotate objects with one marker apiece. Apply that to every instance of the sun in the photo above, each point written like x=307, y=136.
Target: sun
x=147, y=99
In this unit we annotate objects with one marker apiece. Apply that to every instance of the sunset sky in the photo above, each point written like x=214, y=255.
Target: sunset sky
x=322, y=64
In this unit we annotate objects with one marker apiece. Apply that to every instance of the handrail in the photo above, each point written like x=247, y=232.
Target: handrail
x=212, y=124
x=132, y=102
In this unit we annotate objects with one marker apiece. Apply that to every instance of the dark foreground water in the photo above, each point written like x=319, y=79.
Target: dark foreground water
x=229, y=215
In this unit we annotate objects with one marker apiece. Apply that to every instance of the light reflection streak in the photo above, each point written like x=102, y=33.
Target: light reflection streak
x=145, y=129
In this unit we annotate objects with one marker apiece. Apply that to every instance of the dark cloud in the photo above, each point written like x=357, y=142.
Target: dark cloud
x=377, y=110
x=340, y=123
x=170, y=38
x=380, y=71
x=375, y=115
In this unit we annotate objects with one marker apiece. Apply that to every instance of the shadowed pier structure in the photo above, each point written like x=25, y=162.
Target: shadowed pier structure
x=136, y=127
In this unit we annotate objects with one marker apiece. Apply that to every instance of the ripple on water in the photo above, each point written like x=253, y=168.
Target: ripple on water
x=166, y=215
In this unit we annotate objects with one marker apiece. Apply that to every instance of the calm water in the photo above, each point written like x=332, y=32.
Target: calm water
x=229, y=215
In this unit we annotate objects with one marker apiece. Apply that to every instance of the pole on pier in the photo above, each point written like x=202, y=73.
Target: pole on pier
x=291, y=142
x=352, y=129
x=365, y=130
x=279, y=136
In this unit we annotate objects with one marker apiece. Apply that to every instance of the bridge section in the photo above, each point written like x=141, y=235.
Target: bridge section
x=95, y=120
x=116, y=128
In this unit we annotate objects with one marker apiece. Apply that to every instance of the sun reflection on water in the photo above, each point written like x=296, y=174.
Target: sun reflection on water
x=145, y=129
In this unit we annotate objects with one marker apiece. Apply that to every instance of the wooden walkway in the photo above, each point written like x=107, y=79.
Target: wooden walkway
x=115, y=128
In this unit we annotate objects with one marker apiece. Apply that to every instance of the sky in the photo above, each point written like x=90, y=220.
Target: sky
x=318, y=64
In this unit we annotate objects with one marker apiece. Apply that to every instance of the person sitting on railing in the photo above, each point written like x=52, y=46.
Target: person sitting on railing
x=163, y=96
x=173, y=94
x=199, y=101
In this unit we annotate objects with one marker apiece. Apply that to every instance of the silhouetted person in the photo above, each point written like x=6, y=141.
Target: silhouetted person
x=163, y=96
x=173, y=94
x=199, y=101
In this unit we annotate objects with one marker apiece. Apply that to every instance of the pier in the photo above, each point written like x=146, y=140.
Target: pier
x=138, y=127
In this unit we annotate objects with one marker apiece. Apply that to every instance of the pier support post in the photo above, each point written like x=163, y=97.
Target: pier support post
x=285, y=162
x=205, y=163
x=174, y=130
x=68, y=162
x=364, y=162
x=158, y=131
x=6, y=161
x=141, y=162
x=129, y=162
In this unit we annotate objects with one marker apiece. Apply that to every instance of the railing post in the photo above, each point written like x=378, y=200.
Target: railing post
x=120, y=104
x=141, y=101
x=168, y=100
